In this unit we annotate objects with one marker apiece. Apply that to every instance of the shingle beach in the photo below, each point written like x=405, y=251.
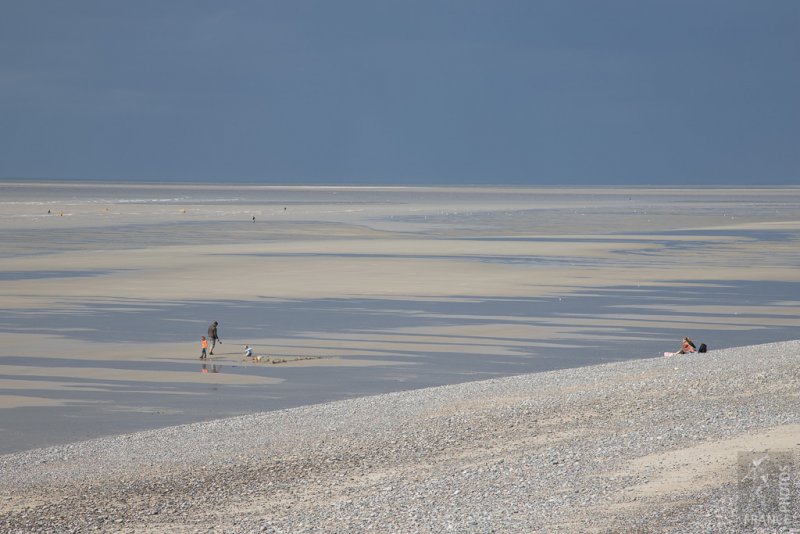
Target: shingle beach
x=647, y=445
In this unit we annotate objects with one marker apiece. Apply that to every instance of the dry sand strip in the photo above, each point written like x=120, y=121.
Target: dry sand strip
x=637, y=446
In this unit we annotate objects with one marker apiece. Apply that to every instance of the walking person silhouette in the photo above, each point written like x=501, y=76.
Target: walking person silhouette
x=213, y=337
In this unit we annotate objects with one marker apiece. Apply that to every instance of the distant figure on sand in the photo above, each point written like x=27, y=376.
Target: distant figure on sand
x=248, y=351
x=204, y=344
x=687, y=347
x=254, y=218
x=212, y=335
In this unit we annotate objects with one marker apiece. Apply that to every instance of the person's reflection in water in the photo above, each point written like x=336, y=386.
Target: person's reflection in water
x=214, y=368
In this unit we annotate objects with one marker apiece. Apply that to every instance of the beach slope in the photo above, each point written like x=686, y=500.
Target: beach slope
x=652, y=445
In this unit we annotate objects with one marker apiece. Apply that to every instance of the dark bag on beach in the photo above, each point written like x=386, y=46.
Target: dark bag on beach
x=702, y=348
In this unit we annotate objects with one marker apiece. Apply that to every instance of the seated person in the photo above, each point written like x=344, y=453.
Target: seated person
x=248, y=351
x=687, y=346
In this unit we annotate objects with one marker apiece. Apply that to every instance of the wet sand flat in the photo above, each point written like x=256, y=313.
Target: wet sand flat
x=358, y=291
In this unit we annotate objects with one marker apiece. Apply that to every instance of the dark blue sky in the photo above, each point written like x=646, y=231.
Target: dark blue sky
x=495, y=92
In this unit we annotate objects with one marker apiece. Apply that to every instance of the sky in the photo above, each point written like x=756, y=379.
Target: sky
x=562, y=92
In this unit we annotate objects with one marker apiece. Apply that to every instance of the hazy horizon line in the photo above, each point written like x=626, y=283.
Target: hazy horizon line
x=389, y=185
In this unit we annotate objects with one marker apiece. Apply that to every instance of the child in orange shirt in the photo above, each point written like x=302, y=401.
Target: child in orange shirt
x=205, y=347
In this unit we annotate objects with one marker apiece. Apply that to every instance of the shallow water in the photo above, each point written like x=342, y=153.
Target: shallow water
x=415, y=340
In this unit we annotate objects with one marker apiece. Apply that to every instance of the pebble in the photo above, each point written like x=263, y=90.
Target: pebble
x=532, y=453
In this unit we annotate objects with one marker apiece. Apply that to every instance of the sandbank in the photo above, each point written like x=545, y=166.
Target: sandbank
x=360, y=290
